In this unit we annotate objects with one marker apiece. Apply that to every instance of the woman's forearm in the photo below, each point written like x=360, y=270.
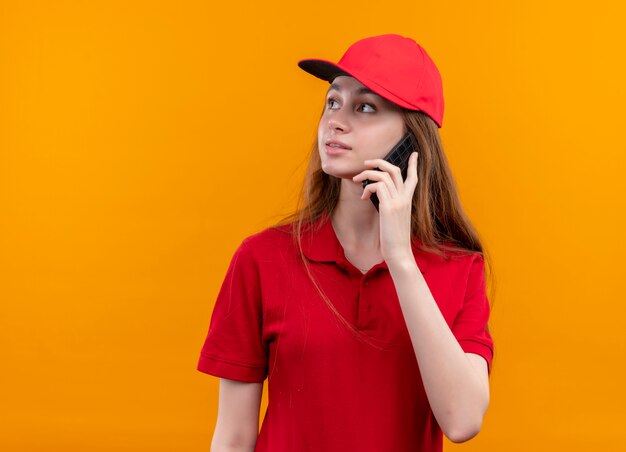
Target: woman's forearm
x=458, y=394
x=225, y=448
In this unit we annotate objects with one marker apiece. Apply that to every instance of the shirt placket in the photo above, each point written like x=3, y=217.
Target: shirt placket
x=366, y=318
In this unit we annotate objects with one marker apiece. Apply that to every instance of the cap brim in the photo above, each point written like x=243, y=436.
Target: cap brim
x=323, y=69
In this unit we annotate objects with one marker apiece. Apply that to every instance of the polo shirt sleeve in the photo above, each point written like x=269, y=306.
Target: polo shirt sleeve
x=470, y=325
x=234, y=347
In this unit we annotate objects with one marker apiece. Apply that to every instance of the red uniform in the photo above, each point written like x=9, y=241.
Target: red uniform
x=327, y=390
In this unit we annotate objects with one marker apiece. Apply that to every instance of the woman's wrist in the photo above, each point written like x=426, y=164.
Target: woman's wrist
x=401, y=262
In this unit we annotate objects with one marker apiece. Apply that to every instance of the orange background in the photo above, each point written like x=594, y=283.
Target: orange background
x=140, y=142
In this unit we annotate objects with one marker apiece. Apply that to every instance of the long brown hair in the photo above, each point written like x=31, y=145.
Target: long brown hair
x=437, y=218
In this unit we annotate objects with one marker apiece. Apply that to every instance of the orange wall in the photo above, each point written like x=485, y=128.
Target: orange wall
x=141, y=141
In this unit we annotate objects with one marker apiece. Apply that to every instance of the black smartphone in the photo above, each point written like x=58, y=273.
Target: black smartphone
x=399, y=156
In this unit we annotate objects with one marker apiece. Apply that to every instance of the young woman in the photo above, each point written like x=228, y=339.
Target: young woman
x=370, y=324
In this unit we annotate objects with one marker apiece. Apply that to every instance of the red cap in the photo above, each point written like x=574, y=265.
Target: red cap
x=394, y=67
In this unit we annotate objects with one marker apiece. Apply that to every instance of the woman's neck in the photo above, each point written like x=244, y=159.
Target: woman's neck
x=356, y=220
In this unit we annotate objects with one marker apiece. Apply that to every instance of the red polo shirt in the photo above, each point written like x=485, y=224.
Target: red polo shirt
x=328, y=391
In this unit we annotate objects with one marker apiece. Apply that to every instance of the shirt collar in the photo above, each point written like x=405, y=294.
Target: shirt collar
x=320, y=244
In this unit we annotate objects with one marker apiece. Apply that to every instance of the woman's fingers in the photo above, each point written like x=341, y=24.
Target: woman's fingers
x=378, y=176
x=381, y=190
x=391, y=174
x=389, y=168
x=411, y=174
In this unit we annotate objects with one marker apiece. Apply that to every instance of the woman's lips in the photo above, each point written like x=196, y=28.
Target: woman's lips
x=332, y=150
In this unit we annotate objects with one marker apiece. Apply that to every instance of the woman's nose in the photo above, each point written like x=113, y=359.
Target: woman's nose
x=338, y=121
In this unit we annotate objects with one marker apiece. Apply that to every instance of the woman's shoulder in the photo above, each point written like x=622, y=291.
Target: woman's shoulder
x=271, y=238
x=452, y=257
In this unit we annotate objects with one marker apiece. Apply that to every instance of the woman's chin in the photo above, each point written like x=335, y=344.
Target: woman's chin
x=342, y=174
x=341, y=171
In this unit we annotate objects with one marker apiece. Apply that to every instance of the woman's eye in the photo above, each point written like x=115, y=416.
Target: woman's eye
x=330, y=102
